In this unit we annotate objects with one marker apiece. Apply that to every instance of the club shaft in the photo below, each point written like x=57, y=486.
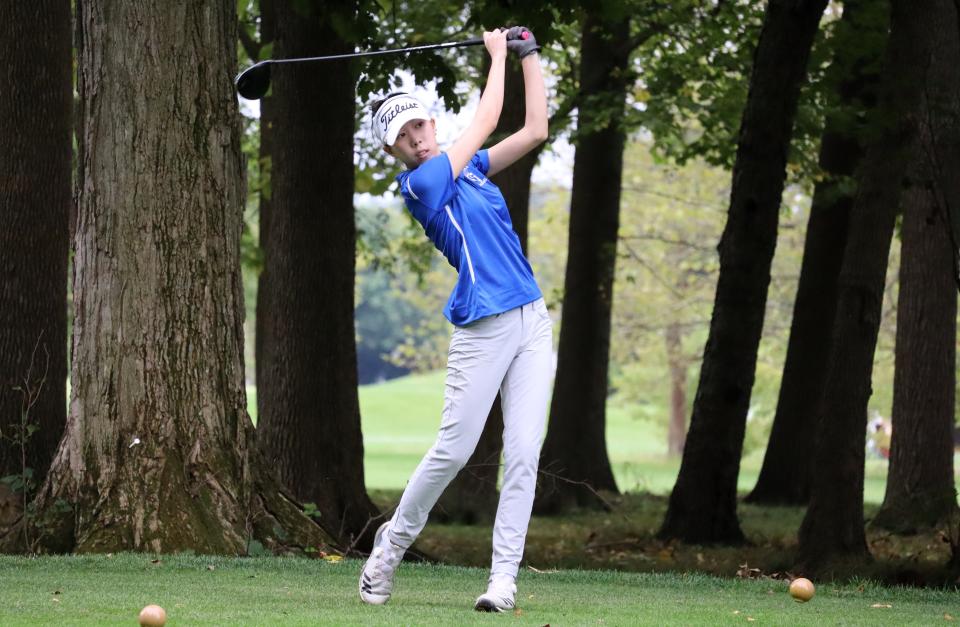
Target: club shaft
x=452, y=44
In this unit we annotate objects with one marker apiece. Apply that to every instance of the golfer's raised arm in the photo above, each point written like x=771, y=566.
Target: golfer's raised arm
x=534, y=131
x=488, y=111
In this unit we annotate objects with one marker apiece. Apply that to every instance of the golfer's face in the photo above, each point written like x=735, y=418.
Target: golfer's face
x=416, y=142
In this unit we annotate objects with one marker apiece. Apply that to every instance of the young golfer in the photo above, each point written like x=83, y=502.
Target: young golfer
x=502, y=335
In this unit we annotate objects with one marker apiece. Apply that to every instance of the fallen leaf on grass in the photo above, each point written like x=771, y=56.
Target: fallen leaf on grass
x=750, y=619
x=947, y=617
x=881, y=605
x=333, y=559
x=211, y=567
x=745, y=572
x=543, y=572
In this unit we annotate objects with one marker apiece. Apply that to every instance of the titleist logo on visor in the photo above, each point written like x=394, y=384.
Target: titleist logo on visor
x=387, y=116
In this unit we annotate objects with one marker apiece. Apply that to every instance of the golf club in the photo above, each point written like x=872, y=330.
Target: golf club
x=253, y=82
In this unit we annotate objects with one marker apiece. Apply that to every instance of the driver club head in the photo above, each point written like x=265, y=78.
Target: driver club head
x=253, y=82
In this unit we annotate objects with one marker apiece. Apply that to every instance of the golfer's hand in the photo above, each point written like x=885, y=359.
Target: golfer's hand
x=496, y=43
x=521, y=41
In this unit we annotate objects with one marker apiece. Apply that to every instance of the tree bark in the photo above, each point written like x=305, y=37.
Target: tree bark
x=920, y=71
x=309, y=421
x=159, y=454
x=703, y=505
x=785, y=475
x=920, y=486
x=472, y=496
x=574, y=461
x=35, y=159
x=920, y=491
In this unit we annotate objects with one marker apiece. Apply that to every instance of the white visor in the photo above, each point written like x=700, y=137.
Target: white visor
x=393, y=114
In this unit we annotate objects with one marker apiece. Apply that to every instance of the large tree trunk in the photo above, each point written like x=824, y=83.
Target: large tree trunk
x=309, y=419
x=785, y=475
x=574, y=462
x=920, y=487
x=35, y=149
x=923, y=36
x=920, y=490
x=703, y=505
x=159, y=453
x=472, y=496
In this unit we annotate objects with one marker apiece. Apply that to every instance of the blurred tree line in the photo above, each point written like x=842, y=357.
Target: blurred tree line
x=695, y=125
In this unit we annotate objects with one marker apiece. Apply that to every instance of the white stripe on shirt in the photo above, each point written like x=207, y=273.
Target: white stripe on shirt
x=466, y=249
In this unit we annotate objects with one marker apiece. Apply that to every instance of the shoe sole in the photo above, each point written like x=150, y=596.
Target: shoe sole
x=484, y=605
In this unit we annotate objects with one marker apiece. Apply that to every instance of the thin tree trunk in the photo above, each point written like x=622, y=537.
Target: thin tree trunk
x=472, y=496
x=921, y=70
x=574, y=461
x=267, y=122
x=35, y=161
x=159, y=454
x=703, y=505
x=677, y=429
x=785, y=475
x=309, y=421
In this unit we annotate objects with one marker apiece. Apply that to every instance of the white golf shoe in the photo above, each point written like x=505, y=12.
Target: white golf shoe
x=499, y=596
x=376, y=579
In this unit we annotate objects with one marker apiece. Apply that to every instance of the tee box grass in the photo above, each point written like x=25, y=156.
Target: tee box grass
x=198, y=590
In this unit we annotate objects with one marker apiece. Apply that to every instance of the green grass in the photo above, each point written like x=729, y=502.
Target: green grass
x=102, y=590
x=400, y=420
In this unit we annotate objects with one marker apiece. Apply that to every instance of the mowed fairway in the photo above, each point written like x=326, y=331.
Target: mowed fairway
x=400, y=420
x=101, y=590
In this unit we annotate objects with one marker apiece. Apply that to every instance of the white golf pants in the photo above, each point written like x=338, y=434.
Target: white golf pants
x=511, y=352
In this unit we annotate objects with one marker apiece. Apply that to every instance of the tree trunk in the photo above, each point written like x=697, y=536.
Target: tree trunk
x=920, y=491
x=267, y=123
x=920, y=487
x=309, y=421
x=472, y=496
x=785, y=475
x=923, y=36
x=574, y=462
x=677, y=430
x=159, y=454
x=703, y=505
x=35, y=148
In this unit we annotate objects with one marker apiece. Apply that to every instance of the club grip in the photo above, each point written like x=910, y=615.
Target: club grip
x=524, y=34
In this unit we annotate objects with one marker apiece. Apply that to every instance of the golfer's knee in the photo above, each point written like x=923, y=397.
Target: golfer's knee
x=451, y=459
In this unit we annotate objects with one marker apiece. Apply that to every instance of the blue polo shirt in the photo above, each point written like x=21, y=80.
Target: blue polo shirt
x=468, y=221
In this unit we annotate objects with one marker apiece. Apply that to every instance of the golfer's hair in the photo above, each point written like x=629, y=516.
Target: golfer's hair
x=376, y=103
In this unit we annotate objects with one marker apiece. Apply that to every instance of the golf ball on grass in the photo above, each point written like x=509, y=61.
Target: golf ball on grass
x=802, y=589
x=153, y=616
